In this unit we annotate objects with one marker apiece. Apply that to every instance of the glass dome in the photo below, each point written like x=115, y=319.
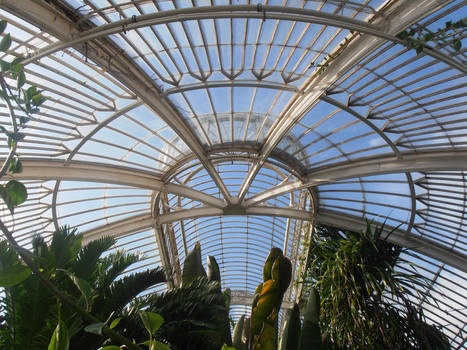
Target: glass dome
x=238, y=123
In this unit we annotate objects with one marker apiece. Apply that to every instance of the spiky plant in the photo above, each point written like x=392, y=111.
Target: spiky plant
x=357, y=274
x=31, y=312
x=193, y=316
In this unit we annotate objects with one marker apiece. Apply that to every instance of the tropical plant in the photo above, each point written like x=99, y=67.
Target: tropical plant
x=359, y=277
x=418, y=38
x=277, y=274
x=260, y=332
x=32, y=314
x=195, y=313
x=27, y=100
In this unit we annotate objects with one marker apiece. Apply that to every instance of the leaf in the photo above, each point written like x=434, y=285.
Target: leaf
x=17, y=191
x=115, y=323
x=83, y=286
x=16, y=69
x=5, y=43
x=457, y=44
x=162, y=346
x=21, y=80
x=2, y=25
x=32, y=256
x=16, y=136
x=151, y=321
x=111, y=347
x=17, y=60
x=5, y=66
x=7, y=199
x=13, y=275
x=16, y=166
x=95, y=328
x=38, y=99
x=60, y=338
x=226, y=347
x=23, y=120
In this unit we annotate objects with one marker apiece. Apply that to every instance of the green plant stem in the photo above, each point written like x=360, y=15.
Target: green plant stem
x=11, y=154
x=47, y=283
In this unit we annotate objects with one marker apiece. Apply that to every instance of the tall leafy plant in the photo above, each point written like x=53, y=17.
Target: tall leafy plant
x=195, y=313
x=32, y=314
x=357, y=275
x=17, y=95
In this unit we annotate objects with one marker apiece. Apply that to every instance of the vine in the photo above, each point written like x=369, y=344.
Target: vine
x=28, y=100
x=419, y=39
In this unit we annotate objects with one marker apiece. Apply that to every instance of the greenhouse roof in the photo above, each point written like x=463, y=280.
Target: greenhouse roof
x=238, y=123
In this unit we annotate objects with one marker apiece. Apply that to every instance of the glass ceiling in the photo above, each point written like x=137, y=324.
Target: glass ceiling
x=237, y=123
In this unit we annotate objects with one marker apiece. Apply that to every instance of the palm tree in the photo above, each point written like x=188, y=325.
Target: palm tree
x=193, y=316
x=365, y=293
x=30, y=312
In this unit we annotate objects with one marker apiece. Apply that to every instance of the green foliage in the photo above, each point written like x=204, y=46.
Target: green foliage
x=292, y=329
x=28, y=101
x=226, y=347
x=12, y=272
x=13, y=275
x=237, y=334
x=213, y=272
x=60, y=338
x=152, y=321
x=13, y=194
x=419, y=39
x=355, y=273
x=310, y=337
x=193, y=316
x=193, y=267
x=267, y=302
x=32, y=313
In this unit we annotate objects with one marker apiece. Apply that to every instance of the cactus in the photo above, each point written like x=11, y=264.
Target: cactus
x=277, y=274
x=291, y=332
x=310, y=338
x=193, y=268
x=237, y=334
x=213, y=269
x=246, y=332
x=225, y=315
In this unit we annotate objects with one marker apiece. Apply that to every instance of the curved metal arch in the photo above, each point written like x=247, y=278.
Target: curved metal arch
x=79, y=145
x=37, y=169
x=45, y=16
x=410, y=162
x=401, y=17
x=144, y=221
x=390, y=143
x=422, y=245
x=229, y=83
x=238, y=11
x=276, y=159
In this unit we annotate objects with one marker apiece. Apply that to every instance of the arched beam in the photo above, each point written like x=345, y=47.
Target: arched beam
x=377, y=28
x=144, y=221
x=35, y=169
x=230, y=83
x=421, y=245
x=409, y=162
x=119, y=65
x=401, y=17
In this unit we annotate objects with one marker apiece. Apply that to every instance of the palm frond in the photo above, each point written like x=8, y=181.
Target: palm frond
x=112, y=266
x=124, y=290
x=88, y=257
